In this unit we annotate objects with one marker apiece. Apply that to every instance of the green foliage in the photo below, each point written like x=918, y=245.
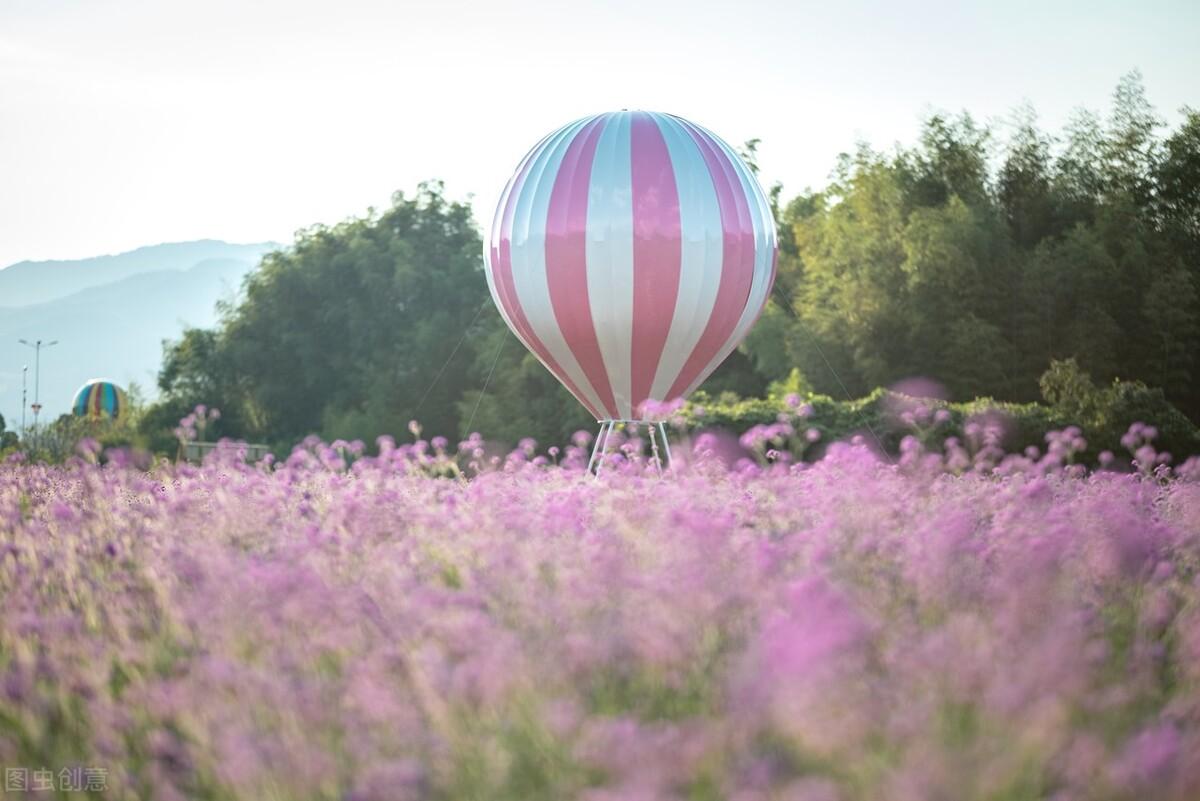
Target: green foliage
x=794, y=384
x=1001, y=266
x=1176, y=176
x=8, y=439
x=1104, y=415
x=927, y=262
x=59, y=439
x=345, y=331
x=834, y=419
x=1066, y=387
x=522, y=400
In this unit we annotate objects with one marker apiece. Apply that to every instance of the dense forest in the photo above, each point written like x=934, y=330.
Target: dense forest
x=976, y=257
x=978, y=262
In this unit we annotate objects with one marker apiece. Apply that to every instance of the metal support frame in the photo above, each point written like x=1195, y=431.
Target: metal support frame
x=607, y=427
x=654, y=448
x=662, y=427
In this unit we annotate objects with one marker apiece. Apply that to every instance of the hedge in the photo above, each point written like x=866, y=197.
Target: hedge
x=880, y=418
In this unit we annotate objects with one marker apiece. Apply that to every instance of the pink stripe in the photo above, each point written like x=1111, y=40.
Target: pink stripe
x=737, y=263
x=502, y=255
x=657, y=251
x=566, y=260
x=506, y=288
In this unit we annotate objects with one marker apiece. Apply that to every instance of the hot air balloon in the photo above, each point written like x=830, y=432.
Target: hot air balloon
x=631, y=252
x=100, y=399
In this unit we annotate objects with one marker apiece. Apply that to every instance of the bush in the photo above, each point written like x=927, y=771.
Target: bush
x=884, y=418
x=1106, y=413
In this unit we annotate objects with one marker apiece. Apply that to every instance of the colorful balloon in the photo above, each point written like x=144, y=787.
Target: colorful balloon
x=99, y=399
x=631, y=253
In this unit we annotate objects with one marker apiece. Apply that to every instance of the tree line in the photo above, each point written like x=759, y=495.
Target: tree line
x=979, y=260
x=977, y=256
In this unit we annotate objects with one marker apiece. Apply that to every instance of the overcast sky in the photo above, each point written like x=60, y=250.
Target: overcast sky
x=131, y=122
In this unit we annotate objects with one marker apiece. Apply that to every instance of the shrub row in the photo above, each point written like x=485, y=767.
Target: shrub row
x=885, y=418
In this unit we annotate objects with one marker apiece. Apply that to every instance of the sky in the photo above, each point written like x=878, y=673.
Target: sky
x=131, y=122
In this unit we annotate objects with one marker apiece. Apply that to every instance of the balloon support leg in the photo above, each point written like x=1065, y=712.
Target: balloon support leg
x=607, y=427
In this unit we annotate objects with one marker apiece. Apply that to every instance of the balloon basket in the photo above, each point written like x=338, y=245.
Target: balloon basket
x=661, y=460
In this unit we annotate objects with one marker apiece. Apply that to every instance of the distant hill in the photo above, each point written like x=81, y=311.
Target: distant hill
x=29, y=282
x=113, y=322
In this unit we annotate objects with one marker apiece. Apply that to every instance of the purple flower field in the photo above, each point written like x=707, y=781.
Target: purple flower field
x=956, y=625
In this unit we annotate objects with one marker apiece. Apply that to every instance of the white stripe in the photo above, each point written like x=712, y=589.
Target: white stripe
x=703, y=253
x=529, y=257
x=610, y=256
x=493, y=239
x=764, y=247
x=764, y=240
x=514, y=186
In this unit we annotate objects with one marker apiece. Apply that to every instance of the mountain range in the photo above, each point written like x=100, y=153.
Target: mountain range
x=110, y=316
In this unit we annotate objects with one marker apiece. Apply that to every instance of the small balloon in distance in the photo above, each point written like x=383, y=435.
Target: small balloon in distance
x=100, y=399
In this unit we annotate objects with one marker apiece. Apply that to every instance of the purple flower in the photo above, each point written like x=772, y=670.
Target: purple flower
x=851, y=627
x=1149, y=759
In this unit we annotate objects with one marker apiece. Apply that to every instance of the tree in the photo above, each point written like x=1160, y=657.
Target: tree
x=1177, y=181
x=981, y=358
x=977, y=262
x=950, y=159
x=1173, y=334
x=8, y=439
x=1024, y=183
x=929, y=263
x=523, y=398
x=1077, y=182
x=347, y=331
x=1064, y=284
x=1130, y=149
x=850, y=299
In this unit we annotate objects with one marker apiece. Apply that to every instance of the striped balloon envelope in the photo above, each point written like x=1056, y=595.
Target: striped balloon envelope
x=98, y=399
x=631, y=252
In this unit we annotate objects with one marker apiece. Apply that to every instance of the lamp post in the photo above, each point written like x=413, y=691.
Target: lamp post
x=24, y=382
x=37, y=375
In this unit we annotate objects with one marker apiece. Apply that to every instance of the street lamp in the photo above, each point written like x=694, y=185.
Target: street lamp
x=24, y=382
x=37, y=374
